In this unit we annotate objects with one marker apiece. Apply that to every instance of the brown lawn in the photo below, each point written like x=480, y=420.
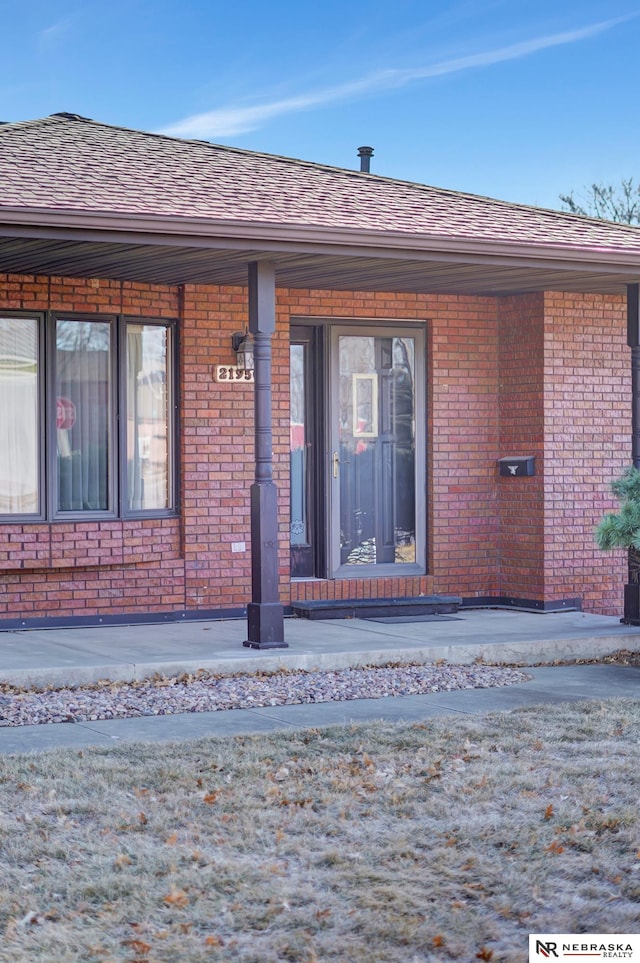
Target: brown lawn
x=448, y=840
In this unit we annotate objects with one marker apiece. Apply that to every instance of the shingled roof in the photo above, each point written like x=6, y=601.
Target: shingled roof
x=67, y=172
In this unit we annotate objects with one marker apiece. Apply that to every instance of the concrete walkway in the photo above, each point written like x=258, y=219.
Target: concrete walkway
x=82, y=655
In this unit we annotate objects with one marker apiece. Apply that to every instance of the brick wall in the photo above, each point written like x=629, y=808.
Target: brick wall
x=89, y=568
x=565, y=398
x=464, y=425
x=217, y=447
x=484, y=534
x=587, y=410
x=521, y=500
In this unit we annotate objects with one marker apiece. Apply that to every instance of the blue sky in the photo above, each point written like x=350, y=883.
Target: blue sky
x=519, y=99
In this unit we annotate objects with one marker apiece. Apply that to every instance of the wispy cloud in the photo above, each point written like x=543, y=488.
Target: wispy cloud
x=231, y=121
x=48, y=37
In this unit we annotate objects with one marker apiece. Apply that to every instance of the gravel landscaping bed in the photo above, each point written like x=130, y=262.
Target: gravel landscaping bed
x=206, y=692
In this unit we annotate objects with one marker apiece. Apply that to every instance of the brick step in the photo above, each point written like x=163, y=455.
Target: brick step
x=376, y=608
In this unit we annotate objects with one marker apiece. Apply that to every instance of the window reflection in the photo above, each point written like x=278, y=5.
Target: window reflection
x=377, y=450
x=82, y=413
x=148, y=406
x=299, y=526
x=19, y=371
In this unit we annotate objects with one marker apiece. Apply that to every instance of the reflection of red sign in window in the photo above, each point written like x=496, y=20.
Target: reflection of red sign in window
x=296, y=432
x=65, y=413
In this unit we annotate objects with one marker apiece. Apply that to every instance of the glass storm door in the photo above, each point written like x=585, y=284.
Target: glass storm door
x=375, y=455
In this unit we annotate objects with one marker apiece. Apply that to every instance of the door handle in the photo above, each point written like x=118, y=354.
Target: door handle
x=336, y=464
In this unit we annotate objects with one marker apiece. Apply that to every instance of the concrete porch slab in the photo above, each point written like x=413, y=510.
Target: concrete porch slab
x=77, y=656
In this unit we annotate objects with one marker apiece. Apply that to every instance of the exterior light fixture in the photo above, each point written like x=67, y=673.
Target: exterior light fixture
x=242, y=344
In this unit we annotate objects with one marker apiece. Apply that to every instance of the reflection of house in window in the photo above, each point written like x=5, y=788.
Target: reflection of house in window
x=147, y=416
x=365, y=405
x=297, y=431
x=18, y=416
x=83, y=359
x=82, y=395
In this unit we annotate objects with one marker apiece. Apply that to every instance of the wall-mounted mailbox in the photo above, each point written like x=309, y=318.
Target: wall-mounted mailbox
x=520, y=466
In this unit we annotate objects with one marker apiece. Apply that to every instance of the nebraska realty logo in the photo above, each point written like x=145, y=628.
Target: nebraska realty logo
x=584, y=946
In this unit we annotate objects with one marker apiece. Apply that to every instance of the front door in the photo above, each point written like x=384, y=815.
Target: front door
x=356, y=506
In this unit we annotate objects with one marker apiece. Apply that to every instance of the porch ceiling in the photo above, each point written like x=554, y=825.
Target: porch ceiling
x=177, y=260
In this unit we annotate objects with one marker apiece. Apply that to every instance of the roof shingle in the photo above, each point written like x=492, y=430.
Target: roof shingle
x=68, y=163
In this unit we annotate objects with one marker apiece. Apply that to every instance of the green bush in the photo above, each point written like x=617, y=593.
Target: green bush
x=621, y=529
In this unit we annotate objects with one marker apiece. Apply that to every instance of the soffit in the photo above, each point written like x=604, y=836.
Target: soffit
x=189, y=264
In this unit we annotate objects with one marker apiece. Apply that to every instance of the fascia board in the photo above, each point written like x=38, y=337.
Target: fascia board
x=306, y=239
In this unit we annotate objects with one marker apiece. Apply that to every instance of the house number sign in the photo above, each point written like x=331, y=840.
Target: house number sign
x=231, y=372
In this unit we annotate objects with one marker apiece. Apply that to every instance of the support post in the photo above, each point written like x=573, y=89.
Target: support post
x=633, y=340
x=265, y=613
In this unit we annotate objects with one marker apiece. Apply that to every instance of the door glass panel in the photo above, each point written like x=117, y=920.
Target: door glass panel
x=299, y=514
x=376, y=457
x=82, y=413
x=19, y=416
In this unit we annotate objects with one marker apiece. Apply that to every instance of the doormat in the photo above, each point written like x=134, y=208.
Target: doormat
x=398, y=619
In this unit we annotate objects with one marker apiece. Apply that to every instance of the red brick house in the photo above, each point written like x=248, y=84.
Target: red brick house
x=406, y=339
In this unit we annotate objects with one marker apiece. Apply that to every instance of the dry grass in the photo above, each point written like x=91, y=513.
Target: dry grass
x=449, y=840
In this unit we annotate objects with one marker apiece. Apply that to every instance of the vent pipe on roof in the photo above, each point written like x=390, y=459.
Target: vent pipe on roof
x=365, y=154
x=68, y=116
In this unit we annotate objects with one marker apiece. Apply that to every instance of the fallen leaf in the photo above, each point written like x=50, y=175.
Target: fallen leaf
x=142, y=819
x=122, y=860
x=548, y=813
x=555, y=847
x=177, y=897
x=438, y=940
x=213, y=941
x=138, y=946
x=211, y=797
x=172, y=839
x=484, y=954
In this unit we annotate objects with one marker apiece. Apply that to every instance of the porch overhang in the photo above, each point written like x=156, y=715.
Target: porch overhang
x=170, y=250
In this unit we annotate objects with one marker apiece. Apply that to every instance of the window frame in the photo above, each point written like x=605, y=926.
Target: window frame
x=117, y=459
